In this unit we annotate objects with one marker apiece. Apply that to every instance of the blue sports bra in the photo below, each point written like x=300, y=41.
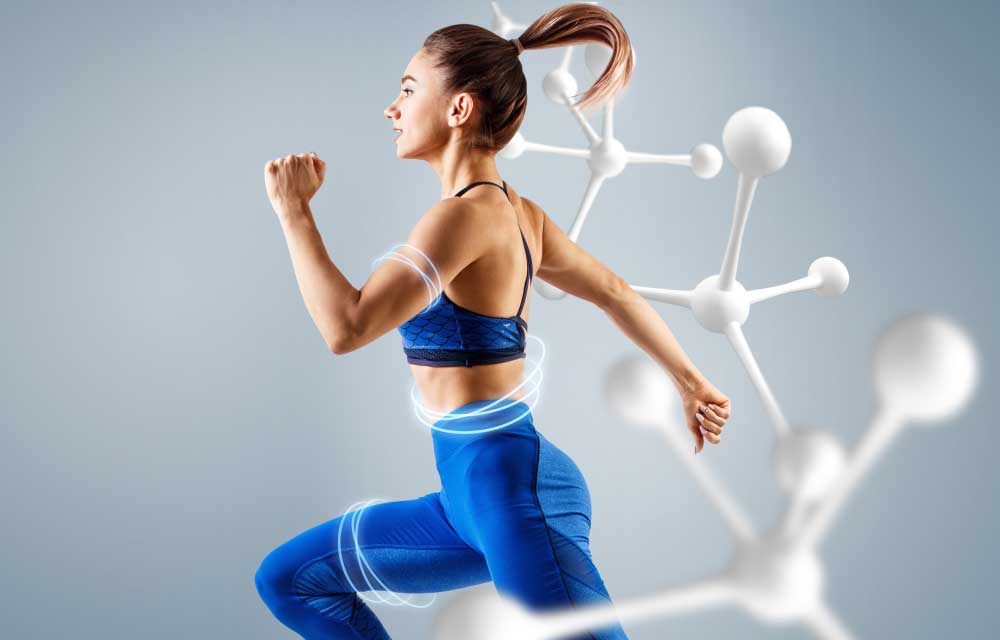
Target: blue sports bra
x=448, y=335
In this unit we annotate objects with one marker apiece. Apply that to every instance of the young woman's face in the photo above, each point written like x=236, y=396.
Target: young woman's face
x=419, y=111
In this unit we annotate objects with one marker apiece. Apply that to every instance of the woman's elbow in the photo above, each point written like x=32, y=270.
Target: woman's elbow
x=342, y=344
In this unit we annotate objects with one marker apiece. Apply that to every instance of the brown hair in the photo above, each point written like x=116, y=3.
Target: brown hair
x=477, y=60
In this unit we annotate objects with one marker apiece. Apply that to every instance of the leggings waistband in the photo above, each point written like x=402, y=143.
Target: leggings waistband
x=485, y=416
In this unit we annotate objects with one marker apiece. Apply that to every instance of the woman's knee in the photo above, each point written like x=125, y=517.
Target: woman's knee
x=274, y=578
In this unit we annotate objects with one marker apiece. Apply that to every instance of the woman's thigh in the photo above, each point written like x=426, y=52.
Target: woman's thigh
x=533, y=526
x=406, y=546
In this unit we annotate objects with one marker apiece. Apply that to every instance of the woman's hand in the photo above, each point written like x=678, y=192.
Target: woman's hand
x=706, y=410
x=292, y=181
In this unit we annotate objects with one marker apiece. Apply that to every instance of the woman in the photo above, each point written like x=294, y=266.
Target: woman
x=512, y=508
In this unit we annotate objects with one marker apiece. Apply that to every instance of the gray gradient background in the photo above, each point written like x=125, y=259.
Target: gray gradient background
x=170, y=413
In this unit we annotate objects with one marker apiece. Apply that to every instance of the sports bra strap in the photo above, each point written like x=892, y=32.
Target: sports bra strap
x=528, y=278
x=527, y=252
x=503, y=188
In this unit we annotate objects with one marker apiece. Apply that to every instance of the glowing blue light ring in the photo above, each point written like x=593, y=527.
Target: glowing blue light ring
x=429, y=261
x=486, y=408
x=355, y=523
x=408, y=261
x=431, y=293
x=476, y=431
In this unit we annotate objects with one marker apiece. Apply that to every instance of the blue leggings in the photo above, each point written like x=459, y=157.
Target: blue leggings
x=513, y=508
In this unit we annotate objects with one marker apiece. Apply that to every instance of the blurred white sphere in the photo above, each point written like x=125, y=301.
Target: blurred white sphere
x=925, y=368
x=547, y=291
x=514, y=148
x=778, y=581
x=597, y=56
x=757, y=141
x=807, y=463
x=559, y=85
x=706, y=161
x=833, y=273
x=480, y=613
x=639, y=391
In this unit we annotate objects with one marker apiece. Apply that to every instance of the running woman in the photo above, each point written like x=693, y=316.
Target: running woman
x=513, y=508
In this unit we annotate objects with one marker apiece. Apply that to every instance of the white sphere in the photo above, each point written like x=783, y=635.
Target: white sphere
x=706, y=161
x=514, y=148
x=832, y=273
x=757, y=141
x=714, y=308
x=559, y=85
x=778, y=581
x=807, y=463
x=925, y=368
x=480, y=613
x=548, y=291
x=638, y=391
x=608, y=158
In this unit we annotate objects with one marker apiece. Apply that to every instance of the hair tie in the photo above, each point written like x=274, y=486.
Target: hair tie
x=517, y=44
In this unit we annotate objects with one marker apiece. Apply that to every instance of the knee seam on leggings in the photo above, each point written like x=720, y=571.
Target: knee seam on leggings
x=548, y=533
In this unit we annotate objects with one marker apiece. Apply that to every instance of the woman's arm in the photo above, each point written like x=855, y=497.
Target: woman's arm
x=327, y=294
x=567, y=266
x=348, y=318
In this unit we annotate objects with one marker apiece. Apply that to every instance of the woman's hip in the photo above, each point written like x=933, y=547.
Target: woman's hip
x=510, y=470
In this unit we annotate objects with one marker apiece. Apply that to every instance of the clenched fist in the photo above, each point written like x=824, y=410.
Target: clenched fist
x=706, y=410
x=292, y=181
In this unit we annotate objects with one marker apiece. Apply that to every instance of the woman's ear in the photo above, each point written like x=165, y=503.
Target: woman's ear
x=460, y=109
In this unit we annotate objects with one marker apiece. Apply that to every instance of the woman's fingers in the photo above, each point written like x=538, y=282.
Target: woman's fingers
x=707, y=425
x=711, y=437
x=724, y=413
x=699, y=437
x=712, y=415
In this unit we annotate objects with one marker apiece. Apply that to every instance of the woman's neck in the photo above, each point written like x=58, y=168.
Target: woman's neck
x=457, y=168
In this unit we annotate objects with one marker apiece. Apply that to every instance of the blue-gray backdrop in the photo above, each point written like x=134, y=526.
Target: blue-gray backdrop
x=170, y=413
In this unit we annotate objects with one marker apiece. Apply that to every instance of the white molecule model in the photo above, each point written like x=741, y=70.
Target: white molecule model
x=777, y=577
x=502, y=25
x=606, y=155
x=757, y=142
x=481, y=613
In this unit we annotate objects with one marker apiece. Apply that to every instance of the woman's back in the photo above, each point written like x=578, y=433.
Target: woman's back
x=491, y=286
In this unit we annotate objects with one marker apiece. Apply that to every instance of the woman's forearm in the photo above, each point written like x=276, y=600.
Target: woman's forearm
x=328, y=295
x=644, y=326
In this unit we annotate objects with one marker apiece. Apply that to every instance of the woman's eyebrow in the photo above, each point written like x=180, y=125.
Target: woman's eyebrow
x=406, y=77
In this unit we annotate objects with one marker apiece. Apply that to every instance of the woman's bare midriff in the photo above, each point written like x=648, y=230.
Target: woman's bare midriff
x=445, y=389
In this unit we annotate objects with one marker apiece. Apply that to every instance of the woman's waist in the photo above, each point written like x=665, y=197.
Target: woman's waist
x=444, y=390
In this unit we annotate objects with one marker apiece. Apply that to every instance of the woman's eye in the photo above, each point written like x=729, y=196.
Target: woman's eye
x=405, y=90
